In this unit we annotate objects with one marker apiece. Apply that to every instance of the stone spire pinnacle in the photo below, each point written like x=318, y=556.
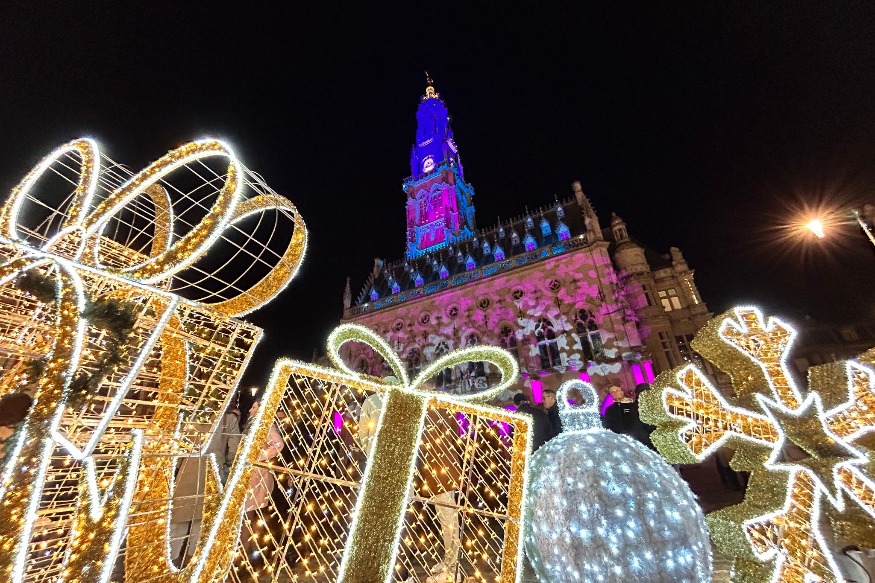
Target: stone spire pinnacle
x=430, y=93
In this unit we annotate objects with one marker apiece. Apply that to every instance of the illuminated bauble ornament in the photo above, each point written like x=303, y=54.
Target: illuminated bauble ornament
x=602, y=507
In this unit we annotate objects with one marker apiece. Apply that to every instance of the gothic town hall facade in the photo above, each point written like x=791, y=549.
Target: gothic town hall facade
x=570, y=298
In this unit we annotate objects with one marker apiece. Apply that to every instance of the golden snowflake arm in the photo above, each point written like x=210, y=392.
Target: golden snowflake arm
x=859, y=486
x=792, y=537
x=767, y=344
x=856, y=417
x=709, y=420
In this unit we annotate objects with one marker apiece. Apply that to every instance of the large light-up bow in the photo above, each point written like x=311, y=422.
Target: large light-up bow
x=79, y=244
x=379, y=515
x=79, y=237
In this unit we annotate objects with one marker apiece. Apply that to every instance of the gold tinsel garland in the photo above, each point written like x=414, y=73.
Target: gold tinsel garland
x=794, y=512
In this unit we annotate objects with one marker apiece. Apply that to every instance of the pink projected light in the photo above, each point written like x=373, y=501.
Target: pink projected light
x=636, y=372
x=464, y=423
x=537, y=391
x=338, y=422
x=584, y=376
x=648, y=370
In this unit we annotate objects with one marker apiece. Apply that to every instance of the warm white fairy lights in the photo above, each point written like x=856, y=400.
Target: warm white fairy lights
x=604, y=508
x=324, y=476
x=119, y=237
x=808, y=442
x=376, y=529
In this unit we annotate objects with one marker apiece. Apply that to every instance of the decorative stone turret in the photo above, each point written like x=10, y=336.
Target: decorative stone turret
x=628, y=255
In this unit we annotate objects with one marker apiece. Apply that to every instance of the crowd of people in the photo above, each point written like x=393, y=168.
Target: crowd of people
x=621, y=416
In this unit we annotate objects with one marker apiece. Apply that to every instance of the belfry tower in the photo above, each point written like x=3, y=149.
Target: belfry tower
x=440, y=207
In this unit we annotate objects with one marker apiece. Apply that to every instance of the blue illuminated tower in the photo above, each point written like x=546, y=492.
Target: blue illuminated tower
x=440, y=207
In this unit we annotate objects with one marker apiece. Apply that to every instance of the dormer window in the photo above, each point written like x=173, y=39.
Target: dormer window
x=530, y=242
x=374, y=295
x=395, y=287
x=545, y=228
x=514, y=238
x=530, y=223
x=501, y=232
x=470, y=263
x=444, y=272
x=475, y=242
x=417, y=279
x=498, y=253
x=560, y=211
x=487, y=249
x=562, y=231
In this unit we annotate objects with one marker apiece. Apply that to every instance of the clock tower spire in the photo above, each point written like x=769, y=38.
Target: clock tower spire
x=440, y=208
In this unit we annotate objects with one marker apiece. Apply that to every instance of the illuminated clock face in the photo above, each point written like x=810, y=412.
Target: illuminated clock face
x=428, y=164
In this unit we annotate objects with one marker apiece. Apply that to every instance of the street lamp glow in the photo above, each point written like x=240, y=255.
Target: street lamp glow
x=816, y=227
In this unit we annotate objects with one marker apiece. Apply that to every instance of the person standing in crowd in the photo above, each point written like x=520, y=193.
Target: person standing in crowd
x=552, y=410
x=542, y=430
x=14, y=407
x=622, y=416
x=190, y=484
x=644, y=430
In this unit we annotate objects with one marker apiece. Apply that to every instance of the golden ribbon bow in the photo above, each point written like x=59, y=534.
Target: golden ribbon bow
x=379, y=515
x=80, y=237
x=79, y=243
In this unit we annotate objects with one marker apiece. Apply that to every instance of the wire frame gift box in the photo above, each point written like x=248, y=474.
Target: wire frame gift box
x=382, y=479
x=120, y=294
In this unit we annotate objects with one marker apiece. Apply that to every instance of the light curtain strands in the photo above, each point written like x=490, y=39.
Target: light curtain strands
x=73, y=257
x=301, y=533
x=771, y=418
x=376, y=529
x=223, y=507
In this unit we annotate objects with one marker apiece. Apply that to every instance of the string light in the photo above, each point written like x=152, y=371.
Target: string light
x=604, y=508
x=165, y=399
x=780, y=517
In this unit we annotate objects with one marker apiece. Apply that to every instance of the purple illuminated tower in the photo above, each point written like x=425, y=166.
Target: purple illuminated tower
x=440, y=207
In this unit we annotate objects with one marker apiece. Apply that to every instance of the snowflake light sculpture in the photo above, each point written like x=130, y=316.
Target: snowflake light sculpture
x=811, y=454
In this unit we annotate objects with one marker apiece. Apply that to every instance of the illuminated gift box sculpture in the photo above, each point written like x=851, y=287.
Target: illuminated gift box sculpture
x=443, y=484
x=810, y=454
x=127, y=376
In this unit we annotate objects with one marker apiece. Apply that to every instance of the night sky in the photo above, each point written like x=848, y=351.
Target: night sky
x=704, y=125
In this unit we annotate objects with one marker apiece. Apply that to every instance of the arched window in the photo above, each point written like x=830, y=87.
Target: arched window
x=530, y=242
x=445, y=376
x=590, y=337
x=548, y=346
x=414, y=361
x=507, y=340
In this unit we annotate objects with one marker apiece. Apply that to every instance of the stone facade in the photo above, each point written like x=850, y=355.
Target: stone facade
x=569, y=298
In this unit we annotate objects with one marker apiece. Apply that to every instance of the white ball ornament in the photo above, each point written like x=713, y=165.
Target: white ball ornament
x=604, y=508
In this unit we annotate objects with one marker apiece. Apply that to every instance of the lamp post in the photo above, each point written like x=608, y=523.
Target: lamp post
x=818, y=226
x=864, y=225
